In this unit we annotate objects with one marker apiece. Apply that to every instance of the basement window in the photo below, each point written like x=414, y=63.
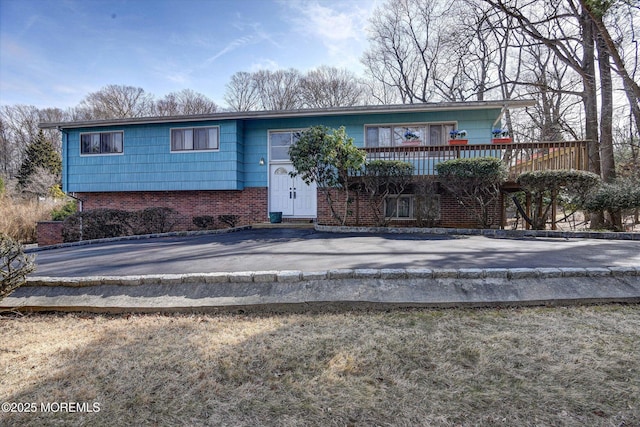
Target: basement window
x=408, y=206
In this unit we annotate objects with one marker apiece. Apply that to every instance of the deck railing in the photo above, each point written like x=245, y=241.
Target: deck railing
x=519, y=157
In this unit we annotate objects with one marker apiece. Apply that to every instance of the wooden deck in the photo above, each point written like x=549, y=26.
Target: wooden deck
x=519, y=157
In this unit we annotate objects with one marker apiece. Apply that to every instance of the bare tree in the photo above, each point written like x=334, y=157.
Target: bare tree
x=242, y=93
x=184, y=102
x=330, y=87
x=53, y=115
x=7, y=150
x=278, y=90
x=470, y=52
x=567, y=31
x=40, y=182
x=19, y=125
x=115, y=102
x=378, y=92
x=429, y=50
x=264, y=90
x=556, y=88
x=596, y=9
x=405, y=43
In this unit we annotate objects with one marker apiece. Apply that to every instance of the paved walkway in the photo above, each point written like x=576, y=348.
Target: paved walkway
x=294, y=269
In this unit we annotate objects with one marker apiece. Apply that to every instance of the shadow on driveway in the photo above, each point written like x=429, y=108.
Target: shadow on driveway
x=309, y=250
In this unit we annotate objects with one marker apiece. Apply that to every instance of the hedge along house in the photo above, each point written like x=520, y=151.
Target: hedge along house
x=237, y=163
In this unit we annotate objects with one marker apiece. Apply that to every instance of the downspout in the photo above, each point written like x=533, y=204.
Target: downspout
x=65, y=151
x=79, y=210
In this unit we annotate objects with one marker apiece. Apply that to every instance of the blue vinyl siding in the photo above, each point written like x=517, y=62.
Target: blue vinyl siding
x=147, y=163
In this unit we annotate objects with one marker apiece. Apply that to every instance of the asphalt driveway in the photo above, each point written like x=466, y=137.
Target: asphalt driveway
x=310, y=250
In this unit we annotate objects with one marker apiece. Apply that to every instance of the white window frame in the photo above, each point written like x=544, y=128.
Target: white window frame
x=447, y=126
x=101, y=153
x=192, y=129
x=396, y=199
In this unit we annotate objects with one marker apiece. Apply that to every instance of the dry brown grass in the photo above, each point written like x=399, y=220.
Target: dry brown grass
x=534, y=366
x=18, y=217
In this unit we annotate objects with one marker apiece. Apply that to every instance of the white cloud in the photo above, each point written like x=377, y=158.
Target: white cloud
x=343, y=22
x=231, y=46
x=340, y=27
x=264, y=64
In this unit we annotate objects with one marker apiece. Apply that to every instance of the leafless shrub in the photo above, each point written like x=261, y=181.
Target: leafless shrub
x=230, y=220
x=14, y=265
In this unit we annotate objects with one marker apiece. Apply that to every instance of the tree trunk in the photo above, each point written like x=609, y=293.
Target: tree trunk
x=606, y=124
x=590, y=100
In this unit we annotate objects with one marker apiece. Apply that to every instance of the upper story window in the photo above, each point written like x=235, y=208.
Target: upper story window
x=200, y=138
x=279, y=143
x=101, y=143
x=398, y=135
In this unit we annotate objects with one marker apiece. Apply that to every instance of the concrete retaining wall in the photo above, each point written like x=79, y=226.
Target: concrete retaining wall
x=275, y=291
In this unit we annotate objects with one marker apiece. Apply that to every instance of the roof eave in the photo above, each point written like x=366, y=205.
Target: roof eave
x=311, y=112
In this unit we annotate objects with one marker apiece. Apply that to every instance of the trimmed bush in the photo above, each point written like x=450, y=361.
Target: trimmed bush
x=155, y=220
x=475, y=183
x=615, y=198
x=204, y=222
x=230, y=220
x=105, y=223
x=15, y=265
x=97, y=224
x=578, y=182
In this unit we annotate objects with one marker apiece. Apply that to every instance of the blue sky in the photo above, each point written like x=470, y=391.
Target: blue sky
x=54, y=52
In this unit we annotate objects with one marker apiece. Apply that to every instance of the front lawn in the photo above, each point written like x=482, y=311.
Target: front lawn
x=531, y=366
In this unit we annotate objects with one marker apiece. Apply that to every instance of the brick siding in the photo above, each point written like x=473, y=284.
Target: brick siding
x=249, y=204
x=49, y=232
x=452, y=214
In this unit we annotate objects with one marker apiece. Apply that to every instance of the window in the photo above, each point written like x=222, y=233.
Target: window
x=399, y=207
x=398, y=135
x=407, y=207
x=101, y=143
x=191, y=139
x=279, y=143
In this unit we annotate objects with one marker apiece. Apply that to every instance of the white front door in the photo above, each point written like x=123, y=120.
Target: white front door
x=291, y=196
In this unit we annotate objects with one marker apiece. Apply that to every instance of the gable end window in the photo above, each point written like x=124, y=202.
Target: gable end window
x=101, y=143
x=195, y=139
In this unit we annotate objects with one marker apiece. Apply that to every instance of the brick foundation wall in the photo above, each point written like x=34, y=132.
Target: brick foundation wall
x=452, y=214
x=49, y=232
x=249, y=204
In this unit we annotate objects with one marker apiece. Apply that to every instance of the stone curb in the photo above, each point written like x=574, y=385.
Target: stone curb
x=488, y=233
x=290, y=276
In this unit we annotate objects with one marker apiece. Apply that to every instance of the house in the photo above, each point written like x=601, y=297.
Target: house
x=237, y=163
